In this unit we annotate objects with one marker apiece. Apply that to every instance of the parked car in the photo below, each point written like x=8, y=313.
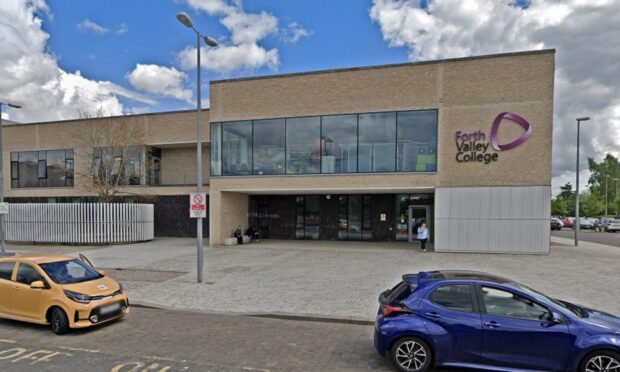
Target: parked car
x=613, y=226
x=586, y=223
x=556, y=224
x=62, y=291
x=486, y=322
x=568, y=221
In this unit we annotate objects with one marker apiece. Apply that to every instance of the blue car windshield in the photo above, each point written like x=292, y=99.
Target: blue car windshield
x=69, y=272
x=573, y=309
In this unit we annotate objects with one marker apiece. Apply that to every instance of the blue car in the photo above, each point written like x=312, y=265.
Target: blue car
x=485, y=322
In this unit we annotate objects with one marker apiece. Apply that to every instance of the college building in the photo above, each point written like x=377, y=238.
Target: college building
x=362, y=154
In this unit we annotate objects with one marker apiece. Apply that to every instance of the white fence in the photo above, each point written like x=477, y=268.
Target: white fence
x=87, y=223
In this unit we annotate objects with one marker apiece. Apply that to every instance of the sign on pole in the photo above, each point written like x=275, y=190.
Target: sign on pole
x=198, y=205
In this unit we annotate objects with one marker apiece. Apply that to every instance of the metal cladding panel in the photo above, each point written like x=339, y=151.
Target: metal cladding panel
x=493, y=219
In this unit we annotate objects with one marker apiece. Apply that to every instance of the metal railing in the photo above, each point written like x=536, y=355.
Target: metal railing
x=82, y=223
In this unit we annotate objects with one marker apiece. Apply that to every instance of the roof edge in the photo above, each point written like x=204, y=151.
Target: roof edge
x=346, y=69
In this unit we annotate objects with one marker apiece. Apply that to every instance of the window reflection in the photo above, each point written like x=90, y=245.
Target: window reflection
x=46, y=168
x=377, y=142
x=417, y=141
x=303, y=145
x=339, y=144
x=269, y=147
x=236, y=148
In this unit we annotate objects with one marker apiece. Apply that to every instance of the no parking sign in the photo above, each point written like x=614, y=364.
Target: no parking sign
x=198, y=205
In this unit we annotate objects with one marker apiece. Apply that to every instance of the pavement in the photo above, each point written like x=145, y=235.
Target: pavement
x=332, y=280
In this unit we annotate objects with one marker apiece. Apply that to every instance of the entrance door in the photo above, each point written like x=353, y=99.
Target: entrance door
x=417, y=214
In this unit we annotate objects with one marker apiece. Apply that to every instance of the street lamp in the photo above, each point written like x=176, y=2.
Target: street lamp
x=576, y=223
x=606, y=181
x=2, y=227
x=616, y=195
x=187, y=21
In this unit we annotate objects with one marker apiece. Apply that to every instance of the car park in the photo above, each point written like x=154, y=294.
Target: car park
x=556, y=224
x=586, y=223
x=613, y=226
x=568, y=222
x=485, y=322
x=64, y=292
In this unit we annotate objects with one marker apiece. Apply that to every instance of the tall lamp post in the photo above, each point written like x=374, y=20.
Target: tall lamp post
x=576, y=223
x=187, y=21
x=2, y=227
x=616, y=195
x=606, y=181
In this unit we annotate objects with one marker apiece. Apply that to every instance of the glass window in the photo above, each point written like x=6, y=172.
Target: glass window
x=377, y=142
x=6, y=270
x=503, y=303
x=417, y=141
x=343, y=217
x=303, y=145
x=339, y=144
x=56, y=168
x=268, y=146
x=28, y=169
x=27, y=274
x=236, y=148
x=216, y=153
x=454, y=297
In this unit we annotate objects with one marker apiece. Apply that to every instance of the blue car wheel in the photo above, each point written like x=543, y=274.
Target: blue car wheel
x=601, y=361
x=410, y=354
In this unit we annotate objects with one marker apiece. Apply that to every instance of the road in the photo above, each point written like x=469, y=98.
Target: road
x=590, y=236
x=165, y=341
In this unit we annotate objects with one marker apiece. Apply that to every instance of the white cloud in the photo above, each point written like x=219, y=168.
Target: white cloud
x=160, y=80
x=585, y=34
x=87, y=26
x=31, y=75
x=243, y=52
x=121, y=29
x=294, y=33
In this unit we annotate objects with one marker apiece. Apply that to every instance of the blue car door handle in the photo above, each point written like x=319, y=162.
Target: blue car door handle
x=492, y=324
x=433, y=315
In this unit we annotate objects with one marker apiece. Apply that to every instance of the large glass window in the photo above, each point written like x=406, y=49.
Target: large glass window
x=377, y=142
x=47, y=168
x=339, y=144
x=303, y=145
x=131, y=165
x=216, y=152
x=308, y=217
x=367, y=143
x=417, y=141
x=269, y=146
x=355, y=217
x=237, y=148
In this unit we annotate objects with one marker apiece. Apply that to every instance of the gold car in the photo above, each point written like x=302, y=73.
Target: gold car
x=62, y=291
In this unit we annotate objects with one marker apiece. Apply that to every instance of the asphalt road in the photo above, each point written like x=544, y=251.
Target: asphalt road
x=590, y=236
x=166, y=341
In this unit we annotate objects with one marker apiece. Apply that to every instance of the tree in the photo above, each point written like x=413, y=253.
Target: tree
x=609, y=166
x=591, y=204
x=558, y=206
x=566, y=191
x=116, y=152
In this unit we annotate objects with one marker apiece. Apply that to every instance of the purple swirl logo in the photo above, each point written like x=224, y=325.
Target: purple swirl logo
x=515, y=118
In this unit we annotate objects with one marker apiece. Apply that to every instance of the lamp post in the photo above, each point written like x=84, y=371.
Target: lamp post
x=2, y=227
x=606, y=181
x=576, y=223
x=616, y=195
x=187, y=21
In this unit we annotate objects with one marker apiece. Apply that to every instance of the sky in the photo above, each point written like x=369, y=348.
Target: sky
x=64, y=59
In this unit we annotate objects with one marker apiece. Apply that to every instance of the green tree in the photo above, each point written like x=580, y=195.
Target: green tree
x=558, y=206
x=566, y=191
x=591, y=204
x=605, y=171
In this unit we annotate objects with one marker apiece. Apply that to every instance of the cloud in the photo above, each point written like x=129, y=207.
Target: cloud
x=243, y=52
x=294, y=33
x=160, y=80
x=584, y=34
x=88, y=26
x=31, y=75
x=121, y=29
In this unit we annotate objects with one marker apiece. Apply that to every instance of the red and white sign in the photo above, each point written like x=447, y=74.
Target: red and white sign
x=198, y=205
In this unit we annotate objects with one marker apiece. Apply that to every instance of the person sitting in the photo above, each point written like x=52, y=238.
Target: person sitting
x=238, y=234
x=253, y=233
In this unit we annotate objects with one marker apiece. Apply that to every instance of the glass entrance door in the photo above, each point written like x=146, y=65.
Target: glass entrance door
x=308, y=217
x=418, y=215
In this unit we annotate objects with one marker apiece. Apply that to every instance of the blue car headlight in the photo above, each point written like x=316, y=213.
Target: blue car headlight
x=77, y=297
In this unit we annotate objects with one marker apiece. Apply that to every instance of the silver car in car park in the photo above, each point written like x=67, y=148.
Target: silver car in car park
x=613, y=226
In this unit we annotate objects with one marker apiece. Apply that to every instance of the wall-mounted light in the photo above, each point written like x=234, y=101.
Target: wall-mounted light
x=328, y=196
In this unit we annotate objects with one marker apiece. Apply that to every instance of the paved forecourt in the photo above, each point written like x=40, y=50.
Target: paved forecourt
x=336, y=279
